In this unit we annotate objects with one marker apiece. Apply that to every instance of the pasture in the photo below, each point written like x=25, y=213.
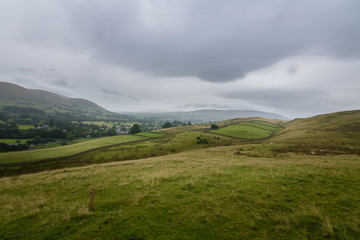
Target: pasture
x=249, y=130
x=25, y=127
x=63, y=151
x=150, y=134
x=191, y=183
x=7, y=140
x=213, y=193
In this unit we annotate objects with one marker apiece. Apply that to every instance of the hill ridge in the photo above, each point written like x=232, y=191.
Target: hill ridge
x=14, y=97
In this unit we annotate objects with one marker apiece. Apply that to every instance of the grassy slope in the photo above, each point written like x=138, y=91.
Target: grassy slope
x=199, y=194
x=228, y=192
x=8, y=140
x=25, y=127
x=250, y=130
x=336, y=128
x=175, y=140
x=150, y=134
x=15, y=95
x=41, y=154
x=333, y=133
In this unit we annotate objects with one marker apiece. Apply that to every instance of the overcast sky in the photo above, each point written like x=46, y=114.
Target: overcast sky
x=293, y=57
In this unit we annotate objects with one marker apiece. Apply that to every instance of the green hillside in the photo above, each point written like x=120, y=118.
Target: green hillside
x=63, y=151
x=207, y=115
x=159, y=143
x=323, y=134
x=281, y=187
x=249, y=130
x=17, y=100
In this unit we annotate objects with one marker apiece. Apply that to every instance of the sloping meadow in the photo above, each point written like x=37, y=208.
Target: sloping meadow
x=212, y=193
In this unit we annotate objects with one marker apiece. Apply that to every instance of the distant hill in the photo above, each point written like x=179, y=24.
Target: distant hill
x=209, y=115
x=15, y=100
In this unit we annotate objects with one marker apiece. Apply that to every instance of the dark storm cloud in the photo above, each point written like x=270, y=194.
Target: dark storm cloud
x=216, y=41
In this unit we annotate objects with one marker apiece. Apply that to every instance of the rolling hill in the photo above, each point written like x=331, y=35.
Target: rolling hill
x=208, y=115
x=15, y=99
x=340, y=128
x=282, y=187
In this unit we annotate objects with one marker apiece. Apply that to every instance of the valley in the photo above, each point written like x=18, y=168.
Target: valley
x=290, y=180
x=179, y=120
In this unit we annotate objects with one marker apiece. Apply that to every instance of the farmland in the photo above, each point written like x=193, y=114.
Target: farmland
x=62, y=151
x=250, y=130
x=13, y=140
x=199, y=194
x=222, y=187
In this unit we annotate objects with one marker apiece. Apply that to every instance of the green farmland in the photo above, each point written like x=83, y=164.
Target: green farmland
x=249, y=130
x=13, y=140
x=192, y=183
x=150, y=134
x=62, y=151
x=211, y=193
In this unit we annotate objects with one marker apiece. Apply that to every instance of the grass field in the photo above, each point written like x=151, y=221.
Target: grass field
x=13, y=140
x=58, y=144
x=250, y=130
x=100, y=123
x=25, y=127
x=201, y=194
x=150, y=134
x=303, y=182
x=335, y=129
x=62, y=151
x=173, y=141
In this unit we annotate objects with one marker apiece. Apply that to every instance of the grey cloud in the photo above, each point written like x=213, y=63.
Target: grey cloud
x=213, y=40
x=55, y=77
x=280, y=98
x=111, y=92
x=121, y=46
x=48, y=75
x=299, y=101
x=203, y=105
x=118, y=95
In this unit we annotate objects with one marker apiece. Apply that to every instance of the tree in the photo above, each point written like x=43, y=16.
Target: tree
x=175, y=123
x=111, y=132
x=135, y=129
x=37, y=140
x=214, y=126
x=167, y=125
x=69, y=136
x=51, y=123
